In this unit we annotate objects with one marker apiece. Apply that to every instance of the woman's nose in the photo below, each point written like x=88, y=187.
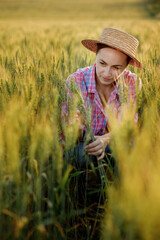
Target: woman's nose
x=107, y=71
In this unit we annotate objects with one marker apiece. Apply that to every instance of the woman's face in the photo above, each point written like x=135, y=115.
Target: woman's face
x=110, y=63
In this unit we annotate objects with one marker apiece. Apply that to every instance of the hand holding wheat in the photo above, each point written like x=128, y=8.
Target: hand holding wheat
x=97, y=148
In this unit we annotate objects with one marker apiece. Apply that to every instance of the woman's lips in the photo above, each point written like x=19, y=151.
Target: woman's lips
x=107, y=79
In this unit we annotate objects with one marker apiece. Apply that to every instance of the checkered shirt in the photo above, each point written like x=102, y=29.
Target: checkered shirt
x=85, y=80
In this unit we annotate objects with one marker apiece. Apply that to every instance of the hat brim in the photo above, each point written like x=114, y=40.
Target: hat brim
x=92, y=45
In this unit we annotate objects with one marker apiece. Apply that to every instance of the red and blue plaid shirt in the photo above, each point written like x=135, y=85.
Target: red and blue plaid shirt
x=85, y=80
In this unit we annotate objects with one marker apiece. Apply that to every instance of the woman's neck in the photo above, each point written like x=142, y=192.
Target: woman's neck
x=104, y=91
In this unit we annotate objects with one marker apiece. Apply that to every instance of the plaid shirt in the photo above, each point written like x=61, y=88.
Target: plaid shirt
x=85, y=80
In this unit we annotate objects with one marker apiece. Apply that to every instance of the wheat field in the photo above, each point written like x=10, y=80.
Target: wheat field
x=39, y=188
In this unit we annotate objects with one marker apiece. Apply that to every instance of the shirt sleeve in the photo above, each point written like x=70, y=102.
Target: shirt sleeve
x=64, y=106
x=64, y=113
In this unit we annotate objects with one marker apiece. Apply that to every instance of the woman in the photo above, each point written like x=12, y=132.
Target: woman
x=100, y=83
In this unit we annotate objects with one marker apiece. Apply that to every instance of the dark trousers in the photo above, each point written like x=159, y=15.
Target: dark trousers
x=82, y=158
x=85, y=188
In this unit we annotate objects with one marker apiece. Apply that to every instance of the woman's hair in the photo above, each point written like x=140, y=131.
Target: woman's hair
x=100, y=46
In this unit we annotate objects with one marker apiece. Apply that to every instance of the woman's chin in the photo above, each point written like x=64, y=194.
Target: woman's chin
x=106, y=83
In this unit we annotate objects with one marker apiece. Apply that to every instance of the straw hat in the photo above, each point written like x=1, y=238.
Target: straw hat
x=119, y=40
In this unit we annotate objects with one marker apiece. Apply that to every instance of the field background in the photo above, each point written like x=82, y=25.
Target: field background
x=69, y=9
x=39, y=47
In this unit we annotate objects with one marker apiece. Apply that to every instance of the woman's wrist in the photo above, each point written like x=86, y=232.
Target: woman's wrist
x=107, y=138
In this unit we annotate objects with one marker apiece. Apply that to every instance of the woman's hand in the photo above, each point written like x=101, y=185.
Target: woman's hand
x=97, y=148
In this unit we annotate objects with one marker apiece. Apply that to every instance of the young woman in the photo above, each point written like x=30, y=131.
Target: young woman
x=100, y=83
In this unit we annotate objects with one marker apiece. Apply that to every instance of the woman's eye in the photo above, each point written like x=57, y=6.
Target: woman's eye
x=102, y=63
x=117, y=68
